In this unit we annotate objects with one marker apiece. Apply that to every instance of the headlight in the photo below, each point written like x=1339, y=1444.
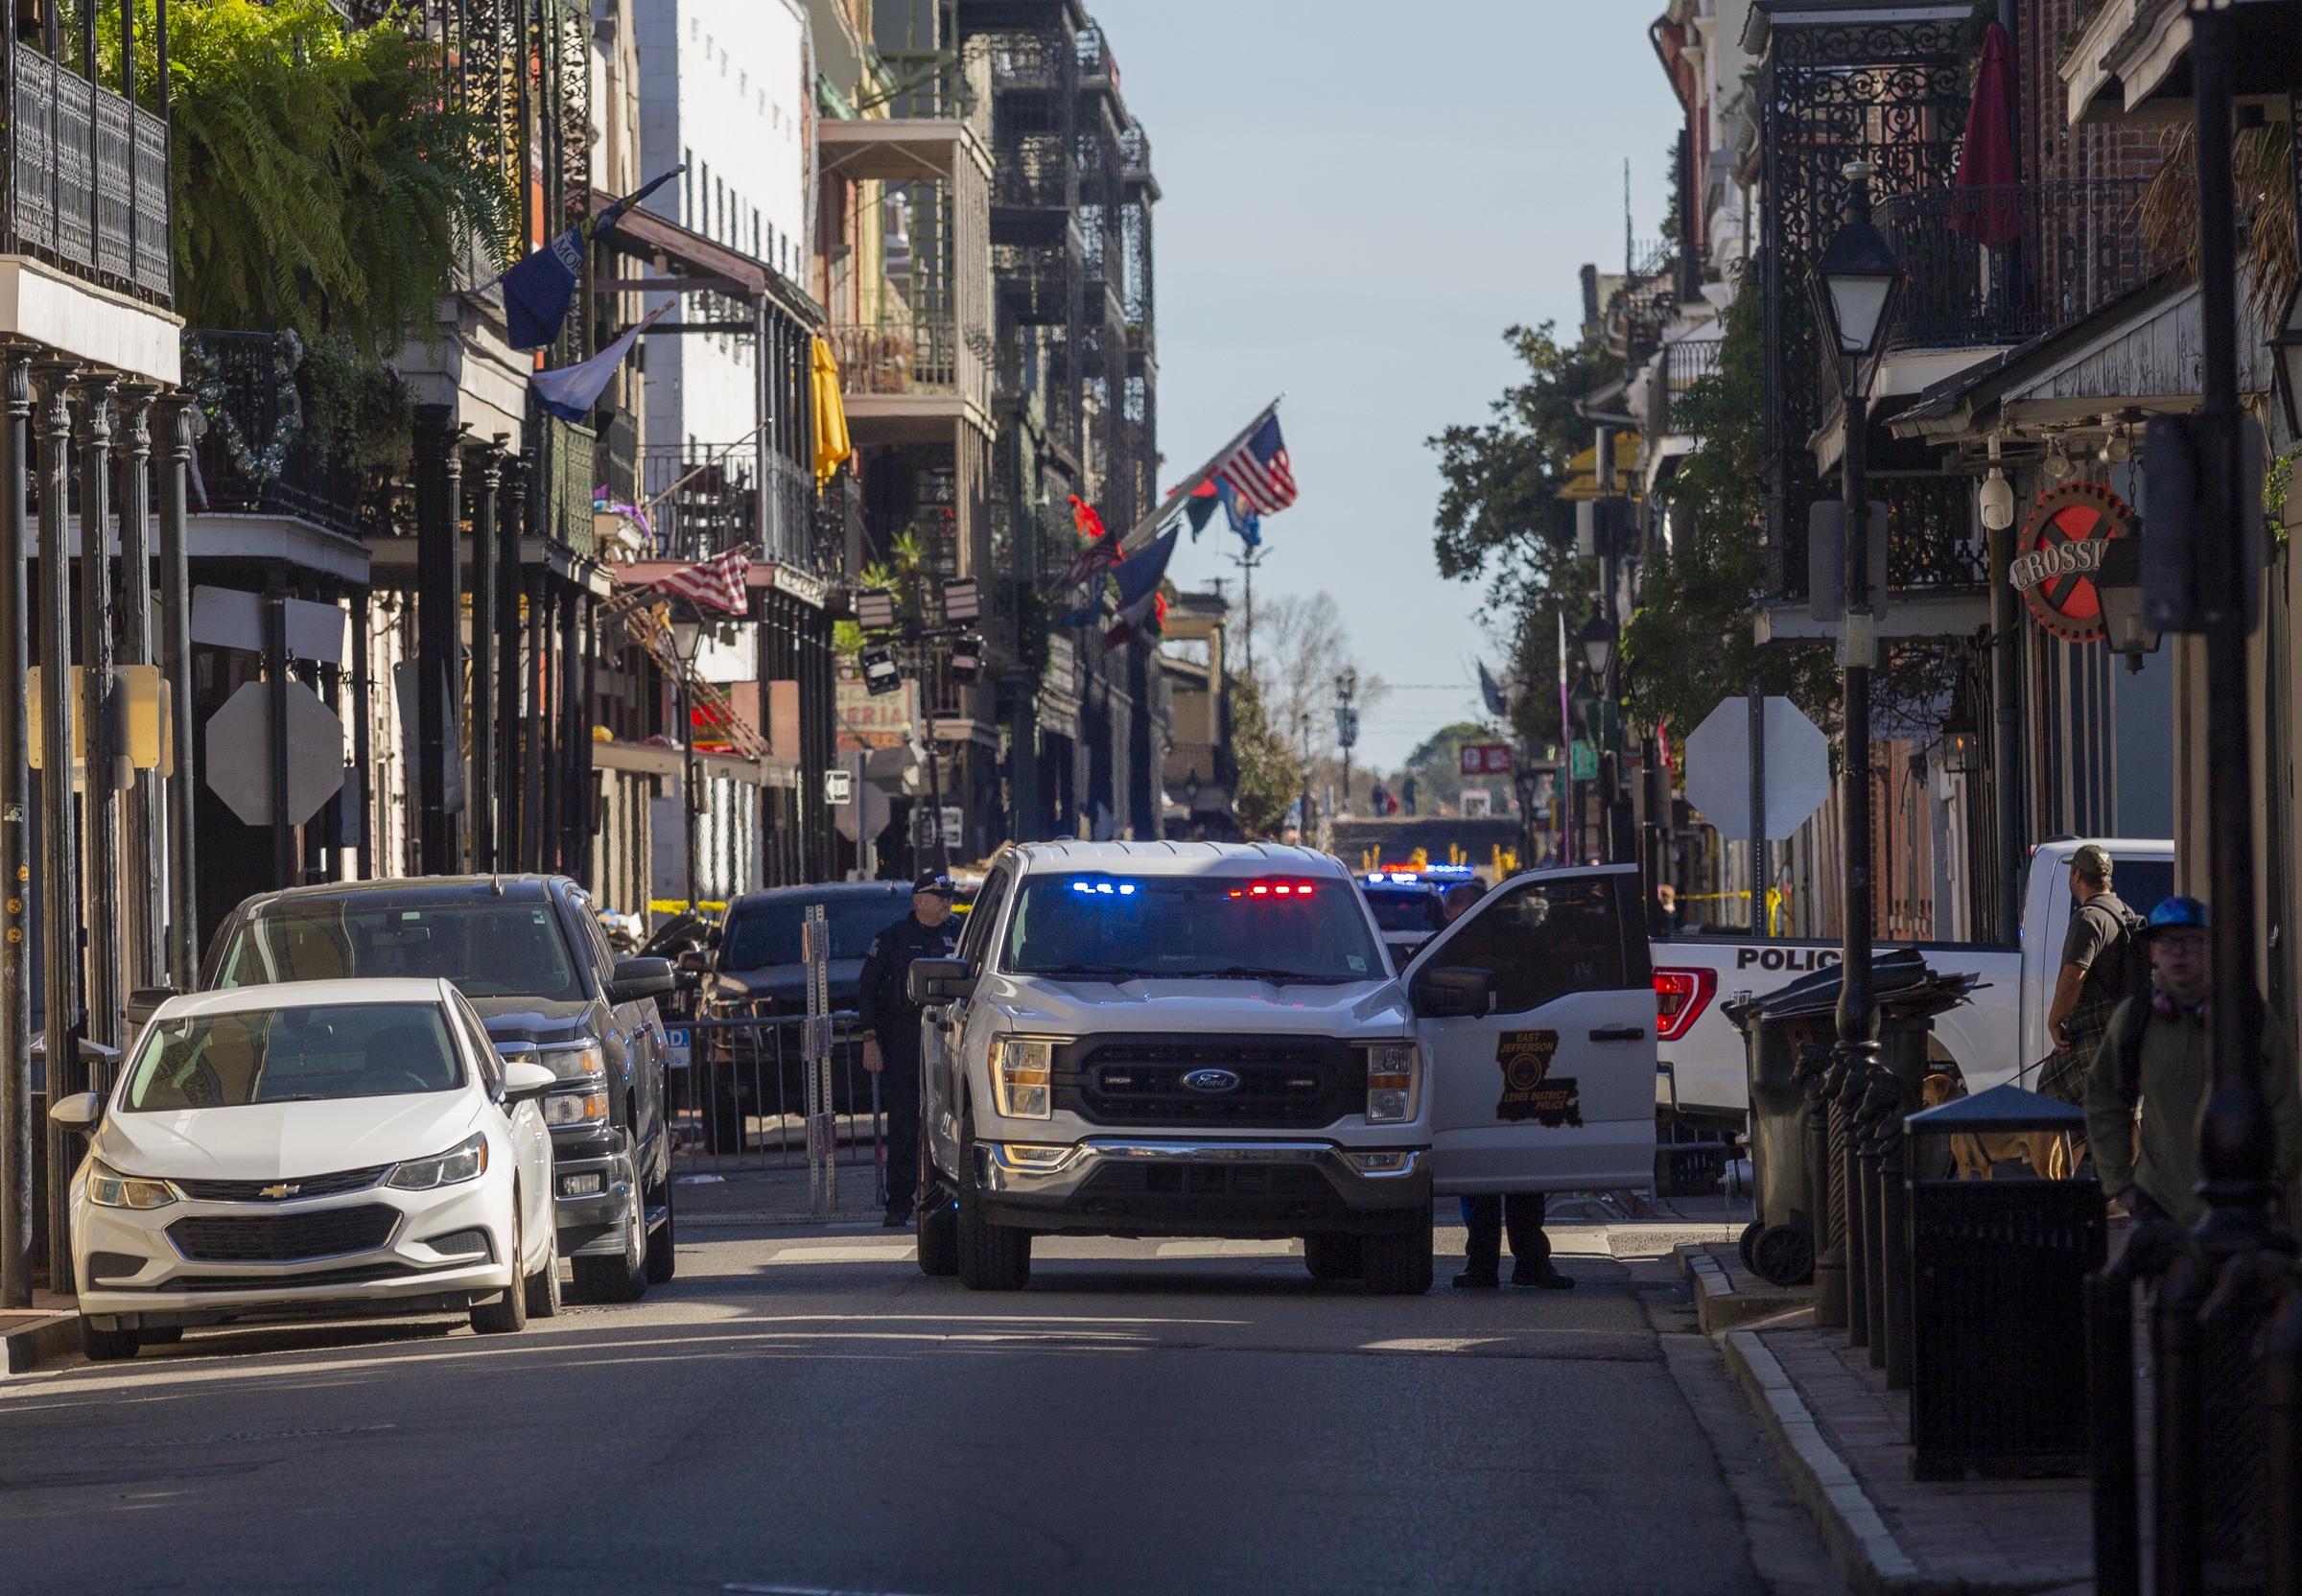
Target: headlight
x=1394, y=1070
x=108, y=1188
x=576, y=1107
x=588, y=1062
x=1022, y=1078
x=467, y=1160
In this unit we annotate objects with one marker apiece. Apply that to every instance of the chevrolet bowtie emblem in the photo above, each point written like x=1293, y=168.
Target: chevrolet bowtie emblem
x=283, y=1189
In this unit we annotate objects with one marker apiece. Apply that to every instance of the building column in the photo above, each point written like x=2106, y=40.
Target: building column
x=363, y=755
x=533, y=677
x=182, y=788
x=512, y=525
x=587, y=785
x=480, y=789
x=147, y=864
x=99, y=784
x=16, y=1247
x=575, y=729
x=59, y=846
x=438, y=601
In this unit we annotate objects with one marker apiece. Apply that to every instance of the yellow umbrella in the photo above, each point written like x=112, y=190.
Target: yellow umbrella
x=1582, y=481
x=831, y=447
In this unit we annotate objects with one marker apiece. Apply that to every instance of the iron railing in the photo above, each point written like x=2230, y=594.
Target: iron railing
x=917, y=354
x=87, y=179
x=266, y=449
x=1678, y=367
x=1095, y=54
x=570, y=475
x=700, y=504
x=2071, y=246
x=1035, y=170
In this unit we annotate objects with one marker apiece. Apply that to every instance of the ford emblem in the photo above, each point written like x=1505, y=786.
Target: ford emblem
x=1211, y=1081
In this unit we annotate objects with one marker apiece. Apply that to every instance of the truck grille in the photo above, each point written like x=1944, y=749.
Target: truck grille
x=1284, y=1083
x=301, y=1186
x=284, y=1238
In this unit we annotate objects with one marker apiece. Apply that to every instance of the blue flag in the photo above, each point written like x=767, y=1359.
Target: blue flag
x=1139, y=577
x=571, y=391
x=538, y=290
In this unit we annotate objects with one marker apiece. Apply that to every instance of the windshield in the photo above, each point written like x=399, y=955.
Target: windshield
x=1416, y=909
x=489, y=949
x=292, y=1055
x=1109, y=927
x=768, y=933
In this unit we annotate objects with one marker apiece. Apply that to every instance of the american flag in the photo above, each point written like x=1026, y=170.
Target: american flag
x=1257, y=470
x=715, y=583
x=1091, y=561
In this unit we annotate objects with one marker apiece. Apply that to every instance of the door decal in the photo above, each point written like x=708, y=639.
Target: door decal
x=1530, y=1091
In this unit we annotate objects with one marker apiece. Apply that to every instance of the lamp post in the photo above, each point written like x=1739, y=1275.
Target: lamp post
x=1855, y=285
x=1598, y=638
x=879, y=610
x=2118, y=586
x=687, y=640
x=1346, y=725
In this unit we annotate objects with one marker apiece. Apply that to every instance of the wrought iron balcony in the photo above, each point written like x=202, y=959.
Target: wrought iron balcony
x=1676, y=367
x=2074, y=245
x=87, y=178
x=917, y=354
x=1031, y=60
x=569, y=478
x=267, y=448
x=1035, y=171
x=700, y=503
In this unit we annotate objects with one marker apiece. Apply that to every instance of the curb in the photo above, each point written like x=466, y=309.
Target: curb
x=41, y=1342
x=1718, y=1305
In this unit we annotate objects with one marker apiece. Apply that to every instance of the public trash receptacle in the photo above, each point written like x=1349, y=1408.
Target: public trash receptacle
x=1998, y=1301
x=1778, y=1245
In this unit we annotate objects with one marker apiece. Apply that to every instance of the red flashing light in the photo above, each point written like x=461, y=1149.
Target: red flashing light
x=1260, y=889
x=1273, y=889
x=1680, y=995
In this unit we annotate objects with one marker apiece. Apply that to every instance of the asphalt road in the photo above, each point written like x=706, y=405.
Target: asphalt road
x=804, y=1412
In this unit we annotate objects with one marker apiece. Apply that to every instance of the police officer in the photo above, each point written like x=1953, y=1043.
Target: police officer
x=891, y=1038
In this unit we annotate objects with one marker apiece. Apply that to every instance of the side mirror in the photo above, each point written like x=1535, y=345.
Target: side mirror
x=144, y=1000
x=939, y=981
x=635, y=980
x=79, y=1112
x=1452, y=992
x=525, y=1078
x=695, y=961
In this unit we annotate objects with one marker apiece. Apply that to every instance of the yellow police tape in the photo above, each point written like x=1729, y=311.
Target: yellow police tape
x=680, y=905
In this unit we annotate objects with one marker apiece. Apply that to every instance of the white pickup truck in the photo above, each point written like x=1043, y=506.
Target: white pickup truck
x=1701, y=1074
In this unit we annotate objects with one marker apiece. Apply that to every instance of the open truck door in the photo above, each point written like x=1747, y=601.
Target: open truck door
x=1553, y=1088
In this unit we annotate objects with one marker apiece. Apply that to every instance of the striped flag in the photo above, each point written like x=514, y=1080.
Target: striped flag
x=715, y=583
x=1257, y=470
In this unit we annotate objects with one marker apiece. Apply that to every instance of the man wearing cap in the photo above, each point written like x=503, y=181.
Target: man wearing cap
x=2095, y=974
x=891, y=1021
x=2157, y=1058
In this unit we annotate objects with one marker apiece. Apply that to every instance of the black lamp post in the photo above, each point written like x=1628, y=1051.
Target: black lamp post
x=1597, y=639
x=1855, y=283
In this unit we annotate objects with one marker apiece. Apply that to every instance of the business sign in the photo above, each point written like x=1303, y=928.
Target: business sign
x=870, y=720
x=2062, y=548
x=1486, y=759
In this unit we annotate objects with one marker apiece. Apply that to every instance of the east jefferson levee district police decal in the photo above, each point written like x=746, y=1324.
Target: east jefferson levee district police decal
x=1530, y=1091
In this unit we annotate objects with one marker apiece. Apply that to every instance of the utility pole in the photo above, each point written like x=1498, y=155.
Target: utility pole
x=1246, y=560
x=1346, y=725
x=17, y=1128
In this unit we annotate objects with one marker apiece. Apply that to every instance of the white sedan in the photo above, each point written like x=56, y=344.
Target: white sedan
x=281, y=1150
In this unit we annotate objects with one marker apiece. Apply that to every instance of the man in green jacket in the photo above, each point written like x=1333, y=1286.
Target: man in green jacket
x=2157, y=1057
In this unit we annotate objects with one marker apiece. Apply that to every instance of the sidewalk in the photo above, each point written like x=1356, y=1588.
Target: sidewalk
x=1843, y=1440
x=30, y=1337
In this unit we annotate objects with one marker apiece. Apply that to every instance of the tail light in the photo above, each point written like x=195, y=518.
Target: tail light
x=1680, y=995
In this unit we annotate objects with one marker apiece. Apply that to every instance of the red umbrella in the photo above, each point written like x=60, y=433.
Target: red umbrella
x=1985, y=212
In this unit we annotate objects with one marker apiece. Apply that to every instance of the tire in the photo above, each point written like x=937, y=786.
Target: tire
x=1784, y=1254
x=507, y=1315
x=1333, y=1258
x=106, y=1345
x=622, y=1279
x=662, y=1257
x=992, y=1257
x=937, y=1223
x=1398, y=1265
x=159, y=1335
x=543, y=1286
x=1747, y=1242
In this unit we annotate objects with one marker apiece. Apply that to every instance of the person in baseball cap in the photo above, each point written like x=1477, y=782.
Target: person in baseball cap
x=891, y=1044
x=2103, y=964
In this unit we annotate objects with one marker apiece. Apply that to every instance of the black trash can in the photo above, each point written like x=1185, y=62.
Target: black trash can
x=1998, y=1301
x=1779, y=1243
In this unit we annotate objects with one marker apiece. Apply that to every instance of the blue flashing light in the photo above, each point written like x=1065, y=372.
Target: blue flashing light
x=1106, y=889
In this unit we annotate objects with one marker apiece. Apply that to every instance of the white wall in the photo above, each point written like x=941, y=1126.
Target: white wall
x=722, y=86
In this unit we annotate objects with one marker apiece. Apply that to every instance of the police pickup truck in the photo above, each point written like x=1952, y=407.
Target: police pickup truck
x=1206, y=1039
x=1703, y=1080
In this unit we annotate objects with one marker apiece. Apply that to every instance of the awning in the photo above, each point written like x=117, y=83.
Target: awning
x=1582, y=481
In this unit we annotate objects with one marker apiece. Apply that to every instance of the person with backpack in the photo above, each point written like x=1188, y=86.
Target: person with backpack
x=2103, y=964
x=2154, y=1065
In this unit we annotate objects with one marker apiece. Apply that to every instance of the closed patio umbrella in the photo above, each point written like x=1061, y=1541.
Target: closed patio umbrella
x=1986, y=210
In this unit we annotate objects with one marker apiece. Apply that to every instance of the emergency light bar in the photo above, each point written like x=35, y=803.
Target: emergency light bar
x=1273, y=889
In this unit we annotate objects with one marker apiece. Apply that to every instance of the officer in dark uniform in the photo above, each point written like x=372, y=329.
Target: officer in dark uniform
x=891, y=1039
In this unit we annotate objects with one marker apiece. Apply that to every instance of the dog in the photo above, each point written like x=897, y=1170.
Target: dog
x=2051, y=1155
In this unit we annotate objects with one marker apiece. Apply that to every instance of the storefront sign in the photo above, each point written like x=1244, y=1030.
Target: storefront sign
x=873, y=720
x=2062, y=547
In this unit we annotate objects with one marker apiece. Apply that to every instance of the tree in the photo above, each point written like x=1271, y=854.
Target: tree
x=1302, y=646
x=1437, y=765
x=1270, y=775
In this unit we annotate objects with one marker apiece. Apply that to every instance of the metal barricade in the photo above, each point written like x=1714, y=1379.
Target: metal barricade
x=749, y=1092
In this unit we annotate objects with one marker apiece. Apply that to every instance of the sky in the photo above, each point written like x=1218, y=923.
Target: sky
x=1357, y=199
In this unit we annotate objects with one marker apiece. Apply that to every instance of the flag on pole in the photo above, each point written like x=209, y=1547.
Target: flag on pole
x=1138, y=578
x=1200, y=508
x=538, y=290
x=1258, y=471
x=1086, y=520
x=1172, y=510
x=715, y=583
x=572, y=390
x=1499, y=704
x=1100, y=555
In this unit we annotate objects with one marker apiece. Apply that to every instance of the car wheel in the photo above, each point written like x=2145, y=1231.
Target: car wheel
x=159, y=1335
x=938, y=1225
x=543, y=1286
x=1333, y=1258
x=622, y=1279
x=507, y=1315
x=1399, y=1265
x=992, y=1257
x=106, y=1345
x=662, y=1260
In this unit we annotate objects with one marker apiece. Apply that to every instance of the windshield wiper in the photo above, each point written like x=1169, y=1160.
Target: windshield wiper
x=1090, y=971
x=1259, y=973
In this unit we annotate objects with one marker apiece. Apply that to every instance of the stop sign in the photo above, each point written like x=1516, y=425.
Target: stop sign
x=238, y=753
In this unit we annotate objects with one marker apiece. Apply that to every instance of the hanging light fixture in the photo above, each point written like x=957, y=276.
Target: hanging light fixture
x=2118, y=583
x=875, y=609
x=2057, y=468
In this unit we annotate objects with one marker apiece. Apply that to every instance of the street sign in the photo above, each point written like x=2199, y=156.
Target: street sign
x=1718, y=768
x=1486, y=759
x=1581, y=761
x=238, y=753
x=141, y=697
x=838, y=787
x=955, y=825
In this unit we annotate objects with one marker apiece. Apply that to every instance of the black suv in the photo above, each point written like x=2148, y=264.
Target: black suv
x=528, y=952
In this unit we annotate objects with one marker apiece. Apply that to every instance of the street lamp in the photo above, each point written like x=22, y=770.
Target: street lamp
x=1598, y=638
x=2118, y=584
x=1856, y=284
x=686, y=640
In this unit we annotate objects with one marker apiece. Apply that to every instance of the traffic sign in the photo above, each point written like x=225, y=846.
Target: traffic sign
x=1718, y=768
x=239, y=747
x=1486, y=759
x=838, y=787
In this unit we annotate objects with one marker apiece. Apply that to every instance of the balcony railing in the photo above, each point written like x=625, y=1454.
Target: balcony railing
x=570, y=474
x=1034, y=171
x=266, y=449
x=87, y=179
x=1029, y=60
x=700, y=504
x=1094, y=56
x=2074, y=245
x=1678, y=368
x=916, y=353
